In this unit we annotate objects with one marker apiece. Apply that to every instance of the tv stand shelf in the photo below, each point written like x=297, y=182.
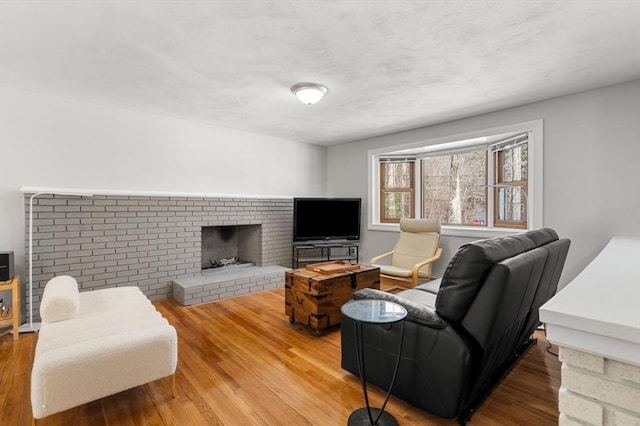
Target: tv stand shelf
x=306, y=253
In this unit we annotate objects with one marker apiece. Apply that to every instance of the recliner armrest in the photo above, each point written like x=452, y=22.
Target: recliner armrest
x=416, y=312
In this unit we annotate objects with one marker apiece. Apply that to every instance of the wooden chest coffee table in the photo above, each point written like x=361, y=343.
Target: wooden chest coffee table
x=315, y=298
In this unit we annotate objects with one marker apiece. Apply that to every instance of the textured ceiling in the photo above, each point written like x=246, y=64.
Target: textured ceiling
x=389, y=65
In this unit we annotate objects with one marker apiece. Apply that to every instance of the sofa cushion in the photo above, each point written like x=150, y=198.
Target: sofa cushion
x=60, y=300
x=471, y=264
x=419, y=296
x=432, y=286
x=395, y=271
x=102, y=313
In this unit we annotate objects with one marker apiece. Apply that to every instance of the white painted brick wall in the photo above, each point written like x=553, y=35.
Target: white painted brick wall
x=233, y=287
x=109, y=241
x=597, y=390
x=580, y=408
x=566, y=421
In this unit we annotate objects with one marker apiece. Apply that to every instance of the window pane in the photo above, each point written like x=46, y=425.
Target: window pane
x=514, y=164
x=397, y=205
x=388, y=181
x=511, y=205
x=454, y=188
x=511, y=202
x=507, y=169
x=397, y=175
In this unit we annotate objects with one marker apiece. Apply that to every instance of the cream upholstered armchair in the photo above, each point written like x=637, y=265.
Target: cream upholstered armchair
x=413, y=255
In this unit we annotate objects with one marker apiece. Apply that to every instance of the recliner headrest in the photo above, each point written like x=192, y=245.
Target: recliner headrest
x=420, y=225
x=471, y=263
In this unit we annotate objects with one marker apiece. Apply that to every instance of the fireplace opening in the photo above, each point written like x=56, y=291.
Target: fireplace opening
x=230, y=246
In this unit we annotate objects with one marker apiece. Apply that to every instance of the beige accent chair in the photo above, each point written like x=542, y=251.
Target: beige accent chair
x=413, y=255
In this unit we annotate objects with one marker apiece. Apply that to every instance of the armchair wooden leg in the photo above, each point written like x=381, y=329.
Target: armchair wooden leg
x=174, y=393
x=391, y=285
x=393, y=289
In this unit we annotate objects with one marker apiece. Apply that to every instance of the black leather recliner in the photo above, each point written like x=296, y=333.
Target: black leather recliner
x=463, y=335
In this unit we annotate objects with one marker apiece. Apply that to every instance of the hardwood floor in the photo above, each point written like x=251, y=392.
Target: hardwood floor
x=242, y=363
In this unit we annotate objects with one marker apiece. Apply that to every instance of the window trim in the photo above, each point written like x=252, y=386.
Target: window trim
x=533, y=128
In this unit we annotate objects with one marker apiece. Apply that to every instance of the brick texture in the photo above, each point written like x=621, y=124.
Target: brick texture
x=580, y=408
x=583, y=360
x=110, y=241
x=598, y=391
x=228, y=288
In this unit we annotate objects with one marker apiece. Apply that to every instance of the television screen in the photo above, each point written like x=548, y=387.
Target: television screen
x=326, y=219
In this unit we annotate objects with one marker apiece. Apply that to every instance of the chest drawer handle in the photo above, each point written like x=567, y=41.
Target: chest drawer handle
x=299, y=300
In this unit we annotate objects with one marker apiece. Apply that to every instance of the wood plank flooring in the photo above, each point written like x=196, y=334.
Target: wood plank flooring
x=242, y=363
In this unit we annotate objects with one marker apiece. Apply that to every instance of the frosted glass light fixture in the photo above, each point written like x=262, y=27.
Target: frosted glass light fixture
x=309, y=93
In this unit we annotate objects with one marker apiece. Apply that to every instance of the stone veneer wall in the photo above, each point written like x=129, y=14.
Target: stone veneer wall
x=597, y=390
x=146, y=241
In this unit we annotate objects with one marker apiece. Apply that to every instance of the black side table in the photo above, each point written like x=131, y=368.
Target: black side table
x=373, y=312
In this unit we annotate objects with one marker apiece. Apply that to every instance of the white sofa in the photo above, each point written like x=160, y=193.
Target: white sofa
x=97, y=343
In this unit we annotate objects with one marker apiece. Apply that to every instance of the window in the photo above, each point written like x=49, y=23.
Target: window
x=454, y=187
x=510, y=199
x=396, y=189
x=476, y=184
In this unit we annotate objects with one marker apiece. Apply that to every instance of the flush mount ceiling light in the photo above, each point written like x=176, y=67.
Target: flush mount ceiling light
x=309, y=93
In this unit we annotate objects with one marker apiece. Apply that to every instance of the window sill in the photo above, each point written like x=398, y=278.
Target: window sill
x=456, y=231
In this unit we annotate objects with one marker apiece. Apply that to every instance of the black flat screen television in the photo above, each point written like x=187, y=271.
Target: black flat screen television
x=324, y=219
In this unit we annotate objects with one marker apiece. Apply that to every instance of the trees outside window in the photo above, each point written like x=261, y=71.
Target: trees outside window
x=454, y=188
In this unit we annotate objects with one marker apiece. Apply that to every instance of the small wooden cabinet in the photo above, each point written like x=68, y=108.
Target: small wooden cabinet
x=12, y=314
x=315, y=299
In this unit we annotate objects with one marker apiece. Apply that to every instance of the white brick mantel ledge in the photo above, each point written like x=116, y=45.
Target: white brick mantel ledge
x=598, y=312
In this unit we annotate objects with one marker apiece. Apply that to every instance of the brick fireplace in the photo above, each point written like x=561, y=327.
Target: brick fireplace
x=152, y=241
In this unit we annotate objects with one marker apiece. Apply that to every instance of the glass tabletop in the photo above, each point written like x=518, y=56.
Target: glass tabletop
x=374, y=311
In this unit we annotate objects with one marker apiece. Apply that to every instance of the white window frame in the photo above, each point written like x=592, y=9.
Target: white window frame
x=534, y=130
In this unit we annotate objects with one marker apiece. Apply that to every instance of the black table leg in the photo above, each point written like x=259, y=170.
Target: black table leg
x=365, y=415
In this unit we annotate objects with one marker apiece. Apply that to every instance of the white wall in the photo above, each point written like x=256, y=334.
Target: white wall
x=591, y=169
x=53, y=142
